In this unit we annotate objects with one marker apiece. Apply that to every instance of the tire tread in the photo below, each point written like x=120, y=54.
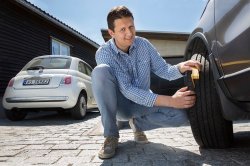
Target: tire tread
x=209, y=128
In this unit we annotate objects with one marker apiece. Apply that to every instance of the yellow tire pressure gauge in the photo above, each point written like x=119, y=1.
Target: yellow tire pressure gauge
x=194, y=75
x=191, y=77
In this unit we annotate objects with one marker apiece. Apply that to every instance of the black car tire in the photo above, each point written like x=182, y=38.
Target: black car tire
x=15, y=115
x=209, y=128
x=79, y=110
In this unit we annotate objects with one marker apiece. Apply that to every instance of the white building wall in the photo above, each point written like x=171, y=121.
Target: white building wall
x=169, y=47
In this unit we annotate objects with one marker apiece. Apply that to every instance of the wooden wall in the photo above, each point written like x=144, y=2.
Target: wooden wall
x=24, y=35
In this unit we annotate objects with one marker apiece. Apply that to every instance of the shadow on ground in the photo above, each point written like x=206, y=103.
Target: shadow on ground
x=44, y=118
x=242, y=140
x=160, y=154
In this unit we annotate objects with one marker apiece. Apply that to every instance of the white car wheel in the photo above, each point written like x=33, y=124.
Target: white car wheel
x=80, y=109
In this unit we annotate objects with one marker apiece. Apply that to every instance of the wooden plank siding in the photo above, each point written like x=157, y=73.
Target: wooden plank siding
x=24, y=35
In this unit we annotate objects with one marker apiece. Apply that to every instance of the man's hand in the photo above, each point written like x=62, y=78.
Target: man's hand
x=183, y=98
x=187, y=65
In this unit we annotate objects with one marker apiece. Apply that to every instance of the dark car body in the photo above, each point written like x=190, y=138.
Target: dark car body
x=221, y=42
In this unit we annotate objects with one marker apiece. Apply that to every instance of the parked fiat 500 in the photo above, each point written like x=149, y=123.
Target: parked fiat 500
x=50, y=81
x=221, y=43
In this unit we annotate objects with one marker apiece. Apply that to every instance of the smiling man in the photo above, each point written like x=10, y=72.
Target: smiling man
x=121, y=84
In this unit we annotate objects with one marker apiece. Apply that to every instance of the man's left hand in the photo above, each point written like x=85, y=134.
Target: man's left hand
x=187, y=65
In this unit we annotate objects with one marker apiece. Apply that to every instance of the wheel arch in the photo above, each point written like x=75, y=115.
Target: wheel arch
x=197, y=43
x=84, y=92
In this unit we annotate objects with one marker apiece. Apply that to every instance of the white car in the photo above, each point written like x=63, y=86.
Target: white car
x=50, y=81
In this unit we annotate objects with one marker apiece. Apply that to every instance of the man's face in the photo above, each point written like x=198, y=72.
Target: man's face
x=124, y=33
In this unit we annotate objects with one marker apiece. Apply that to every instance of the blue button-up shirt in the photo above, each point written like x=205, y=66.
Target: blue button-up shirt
x=132, y=70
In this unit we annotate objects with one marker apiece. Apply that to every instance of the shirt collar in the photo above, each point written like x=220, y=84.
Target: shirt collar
x=117, y=50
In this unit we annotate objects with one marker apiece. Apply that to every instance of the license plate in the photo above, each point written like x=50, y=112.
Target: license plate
x=42, y=81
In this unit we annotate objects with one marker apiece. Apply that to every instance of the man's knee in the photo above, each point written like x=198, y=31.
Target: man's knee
x=101, y=71
x=102, y=74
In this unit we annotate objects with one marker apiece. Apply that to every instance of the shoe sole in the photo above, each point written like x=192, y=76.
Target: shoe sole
x=106, y=156
x=142, y=142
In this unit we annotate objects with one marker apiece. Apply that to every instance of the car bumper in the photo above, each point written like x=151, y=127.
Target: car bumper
x=59, y=98
x=36, y=99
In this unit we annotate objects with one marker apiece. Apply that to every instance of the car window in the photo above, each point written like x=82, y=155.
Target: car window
x=49, y=63
x=88, y=70
x=84, y=68
x=81, y=68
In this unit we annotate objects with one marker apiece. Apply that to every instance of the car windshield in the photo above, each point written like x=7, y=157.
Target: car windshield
x=48, y=63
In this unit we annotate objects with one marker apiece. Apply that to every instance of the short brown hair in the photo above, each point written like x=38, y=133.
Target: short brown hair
x=117, y=13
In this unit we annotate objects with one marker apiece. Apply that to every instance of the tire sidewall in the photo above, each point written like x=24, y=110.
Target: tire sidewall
x=79, y=110
x=82, y=105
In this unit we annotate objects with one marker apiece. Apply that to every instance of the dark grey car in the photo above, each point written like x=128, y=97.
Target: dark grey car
x=221, y=42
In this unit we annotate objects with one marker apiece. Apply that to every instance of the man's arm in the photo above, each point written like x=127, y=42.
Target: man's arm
x=160, y=67
x=183, y=98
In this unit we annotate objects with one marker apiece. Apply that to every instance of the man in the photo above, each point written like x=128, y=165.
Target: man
x=121, y=84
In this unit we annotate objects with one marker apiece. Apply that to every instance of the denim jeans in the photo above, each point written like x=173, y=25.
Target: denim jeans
x=114, y=106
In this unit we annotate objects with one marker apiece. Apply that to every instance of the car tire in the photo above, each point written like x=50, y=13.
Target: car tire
x=79, y=110
x=209, y=128
x=15, y=114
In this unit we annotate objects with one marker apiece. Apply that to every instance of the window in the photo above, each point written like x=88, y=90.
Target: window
x=88, y=70
x=59, y=48
x=49, y=63
x=84, y=68
x=81, y=67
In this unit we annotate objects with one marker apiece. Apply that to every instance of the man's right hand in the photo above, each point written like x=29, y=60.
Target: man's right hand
x=183, y=98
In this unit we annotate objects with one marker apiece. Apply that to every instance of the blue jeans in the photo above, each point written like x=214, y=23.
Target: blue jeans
x=114, y=106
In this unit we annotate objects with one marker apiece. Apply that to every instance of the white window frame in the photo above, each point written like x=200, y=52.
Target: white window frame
x=61, y=46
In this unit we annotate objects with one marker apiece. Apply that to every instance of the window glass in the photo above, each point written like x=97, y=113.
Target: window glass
x=49, y=63
x=88, y=70
x=55, y=48
x=81, y=68
x=59, y=48
x=64, y=50
x=84, y=68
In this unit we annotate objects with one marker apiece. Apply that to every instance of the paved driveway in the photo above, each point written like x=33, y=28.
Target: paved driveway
x=52, y=139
